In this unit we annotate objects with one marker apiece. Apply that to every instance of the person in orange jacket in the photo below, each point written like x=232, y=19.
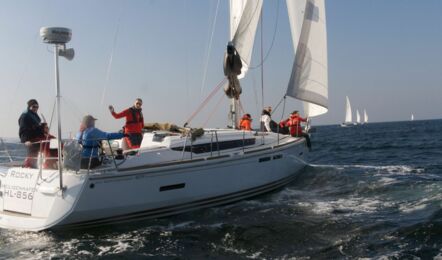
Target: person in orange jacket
x=246, y=122
x=294, y=125
x=134, y=123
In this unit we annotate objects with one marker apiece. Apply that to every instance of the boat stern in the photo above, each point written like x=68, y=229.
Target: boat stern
x=31, y=199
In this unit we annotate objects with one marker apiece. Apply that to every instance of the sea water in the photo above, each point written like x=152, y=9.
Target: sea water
x=370, y=191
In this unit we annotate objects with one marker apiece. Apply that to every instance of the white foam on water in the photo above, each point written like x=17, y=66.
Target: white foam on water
x=104, y=250
x=392, y=169
x=348, y=207
x=385, y=181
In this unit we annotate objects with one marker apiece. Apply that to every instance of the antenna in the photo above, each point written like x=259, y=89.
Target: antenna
x=58, y=36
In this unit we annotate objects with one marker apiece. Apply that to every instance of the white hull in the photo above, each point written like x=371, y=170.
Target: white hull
x=148, y=188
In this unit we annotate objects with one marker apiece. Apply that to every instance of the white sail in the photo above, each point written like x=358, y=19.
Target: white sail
x=412, y=117
x=309, y=78
x=358, y=117
x=348, y=118
x=365, y=117
x=244, y=18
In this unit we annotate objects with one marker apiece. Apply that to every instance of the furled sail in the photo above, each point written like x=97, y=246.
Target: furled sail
x=244, y=18
x=348, y=118
x=309, y=78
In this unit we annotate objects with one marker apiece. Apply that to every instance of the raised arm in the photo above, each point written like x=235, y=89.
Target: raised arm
x=117, y=115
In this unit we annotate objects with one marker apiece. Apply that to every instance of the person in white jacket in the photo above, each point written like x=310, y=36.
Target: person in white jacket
x=267, y=124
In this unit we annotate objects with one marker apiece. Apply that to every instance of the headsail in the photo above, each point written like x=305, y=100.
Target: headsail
x=308, y=81
x=244, y=18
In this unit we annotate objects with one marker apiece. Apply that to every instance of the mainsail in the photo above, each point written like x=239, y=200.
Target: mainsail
x=244, y=18
x=309, y=78
x=348, y=118
x=365, y=117
x=358, y=117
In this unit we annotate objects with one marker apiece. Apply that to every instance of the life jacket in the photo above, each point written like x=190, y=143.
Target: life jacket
x=135, y=119
x=245, y=124
x=294, y=124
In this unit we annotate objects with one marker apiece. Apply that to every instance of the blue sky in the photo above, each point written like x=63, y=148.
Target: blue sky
x=385, y=55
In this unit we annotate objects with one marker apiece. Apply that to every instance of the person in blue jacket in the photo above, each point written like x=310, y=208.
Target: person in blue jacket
x=91, y=137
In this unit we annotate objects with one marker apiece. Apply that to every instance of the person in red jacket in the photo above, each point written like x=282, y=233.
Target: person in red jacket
x=246, y=122
x=50, y=156
x=134, y=123
x=294, y=125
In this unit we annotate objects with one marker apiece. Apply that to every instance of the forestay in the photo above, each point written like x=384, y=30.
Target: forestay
x=309, y=78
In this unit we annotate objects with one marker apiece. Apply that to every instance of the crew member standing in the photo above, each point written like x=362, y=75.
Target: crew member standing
x=134, y=123
x=30, y=132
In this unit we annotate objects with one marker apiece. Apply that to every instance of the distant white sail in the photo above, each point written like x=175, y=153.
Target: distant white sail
x=309, y=78
x=365, y=117
x=412, y=117
x=348, y=118
x=358, y=117
x=244, y=18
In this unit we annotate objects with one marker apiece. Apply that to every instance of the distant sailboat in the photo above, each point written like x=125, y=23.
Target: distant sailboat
x=365, y=117
x=412, y=117
x=358, y=118
x=348, y=119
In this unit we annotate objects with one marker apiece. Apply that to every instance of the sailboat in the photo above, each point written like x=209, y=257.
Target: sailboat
x=358, y=118
x=348, y=117
x=412, y=117
x=365, y=117
x=172, y=173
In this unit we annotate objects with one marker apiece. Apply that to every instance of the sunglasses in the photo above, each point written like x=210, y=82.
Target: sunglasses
x=34, y=107
x=138, y=104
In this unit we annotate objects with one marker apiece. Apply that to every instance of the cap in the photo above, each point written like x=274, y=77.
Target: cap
x=88, y=119
x=32, y=102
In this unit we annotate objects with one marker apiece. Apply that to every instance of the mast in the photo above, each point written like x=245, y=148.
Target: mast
x=244, y=18
x=57, y=90
x=58, y=36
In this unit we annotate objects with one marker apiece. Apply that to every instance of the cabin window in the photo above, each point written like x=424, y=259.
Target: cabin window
x=173, y=187
x=224, y=145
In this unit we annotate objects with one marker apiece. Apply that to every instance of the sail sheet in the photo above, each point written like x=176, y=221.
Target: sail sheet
x=348, y=118
x=244, y=18
x=309, y=78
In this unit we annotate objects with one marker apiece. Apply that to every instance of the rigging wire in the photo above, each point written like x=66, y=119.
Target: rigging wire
x=241, y=108
x=111, y=57
x=251, y=67
x=206, y=65
x=20, y=79
x=214, y=110
x=205, y=101
x=262, y=67
x=6, y=150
